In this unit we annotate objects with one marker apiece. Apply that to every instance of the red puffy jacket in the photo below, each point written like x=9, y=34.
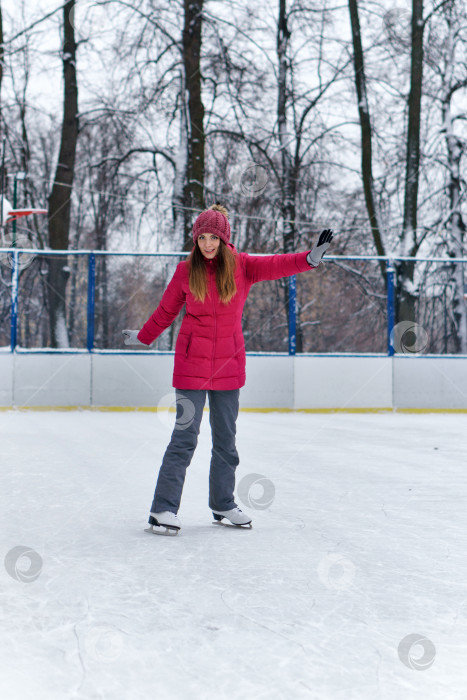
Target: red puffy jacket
x=210, y=349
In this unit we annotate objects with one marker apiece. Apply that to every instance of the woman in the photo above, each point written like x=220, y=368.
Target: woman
x=210, y=358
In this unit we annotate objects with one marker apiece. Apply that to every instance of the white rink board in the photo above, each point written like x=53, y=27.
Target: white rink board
x=343, y=382
x=269, y=382
x=273, y=381
x=131, y=380
x=50, y=379
x=6, y=379
x=424, y=382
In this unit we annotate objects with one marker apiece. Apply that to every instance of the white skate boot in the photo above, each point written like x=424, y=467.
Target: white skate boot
x=235, y=516
x=165, y=523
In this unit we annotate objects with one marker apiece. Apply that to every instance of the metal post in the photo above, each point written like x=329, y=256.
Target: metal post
x=292, y=315
x=3, y=179
x=15, y=202
x=91, y=300
x=390, y=306
x=14, y=300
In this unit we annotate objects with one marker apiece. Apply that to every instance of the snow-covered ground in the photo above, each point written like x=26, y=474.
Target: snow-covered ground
x=358, y=545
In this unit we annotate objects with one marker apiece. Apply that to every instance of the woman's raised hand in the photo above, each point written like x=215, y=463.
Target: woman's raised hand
x=324, y=241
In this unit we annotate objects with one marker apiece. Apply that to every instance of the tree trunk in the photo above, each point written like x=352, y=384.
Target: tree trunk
x=181, y=216
x=194, y=188
x=2, y=58
x=366, y=135
x=287, y=203
x=405, y=294
x=60, y=197
x=288, y=185
x=456, y=227
x=3, y=175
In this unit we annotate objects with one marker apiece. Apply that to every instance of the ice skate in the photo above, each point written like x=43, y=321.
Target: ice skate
x=235, y=517
x=165, y=523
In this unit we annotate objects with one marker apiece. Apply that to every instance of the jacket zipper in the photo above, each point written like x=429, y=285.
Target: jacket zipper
x=213, y=280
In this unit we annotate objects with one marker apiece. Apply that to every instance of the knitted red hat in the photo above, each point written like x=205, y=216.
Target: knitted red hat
x=213, y=220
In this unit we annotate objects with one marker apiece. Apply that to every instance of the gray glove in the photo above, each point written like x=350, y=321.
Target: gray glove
x=314, y=256
x=131, y=338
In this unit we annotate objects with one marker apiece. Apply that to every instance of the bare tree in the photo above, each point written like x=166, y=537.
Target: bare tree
x=288, y=184
x=60, y=196
x=366, y=136
x=409, y=239
x=2, y=54
x=455, y=150
x=192, y=32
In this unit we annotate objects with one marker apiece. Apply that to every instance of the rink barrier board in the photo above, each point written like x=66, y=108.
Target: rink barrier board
x=275, y=382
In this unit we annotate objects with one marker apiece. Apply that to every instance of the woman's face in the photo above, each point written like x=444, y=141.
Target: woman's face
x=209, y=244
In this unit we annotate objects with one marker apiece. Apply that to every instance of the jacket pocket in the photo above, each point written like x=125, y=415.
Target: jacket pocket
x=188, y=345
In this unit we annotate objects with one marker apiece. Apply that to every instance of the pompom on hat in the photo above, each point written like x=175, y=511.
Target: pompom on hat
x=213, y=220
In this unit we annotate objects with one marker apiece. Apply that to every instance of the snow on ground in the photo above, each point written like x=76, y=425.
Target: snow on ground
x=361, y=549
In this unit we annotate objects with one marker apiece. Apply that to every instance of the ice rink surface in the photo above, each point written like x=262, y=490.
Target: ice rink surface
x=358, y=549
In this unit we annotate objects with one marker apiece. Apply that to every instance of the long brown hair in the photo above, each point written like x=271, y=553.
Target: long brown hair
x=225, y=270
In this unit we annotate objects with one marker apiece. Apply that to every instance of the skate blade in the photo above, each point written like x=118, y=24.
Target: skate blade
x=245, y=526
x=162, y=530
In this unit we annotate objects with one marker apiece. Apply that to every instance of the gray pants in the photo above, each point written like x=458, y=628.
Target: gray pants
x=223, y=406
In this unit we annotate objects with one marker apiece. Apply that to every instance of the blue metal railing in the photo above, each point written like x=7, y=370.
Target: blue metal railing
x=91, y=301
x=14, y=299
x=390, y=307
x=93, y=254
x=292, y=315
